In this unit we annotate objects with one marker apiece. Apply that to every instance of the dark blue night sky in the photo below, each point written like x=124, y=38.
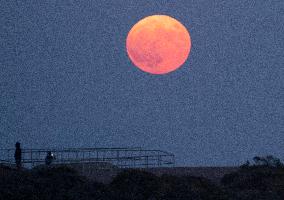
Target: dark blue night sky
x=66, y=80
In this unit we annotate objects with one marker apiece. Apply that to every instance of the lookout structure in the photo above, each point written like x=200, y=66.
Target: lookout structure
x=101, y=157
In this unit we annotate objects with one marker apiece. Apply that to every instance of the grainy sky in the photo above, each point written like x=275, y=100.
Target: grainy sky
x=66, y=80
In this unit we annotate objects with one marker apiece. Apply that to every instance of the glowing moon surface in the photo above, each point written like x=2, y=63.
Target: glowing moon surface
x=158, y=44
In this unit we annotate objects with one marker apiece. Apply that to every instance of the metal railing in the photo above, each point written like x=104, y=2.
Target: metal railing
x=117, y=157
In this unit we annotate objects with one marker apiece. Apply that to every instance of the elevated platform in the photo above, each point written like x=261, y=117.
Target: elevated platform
x=99, y=157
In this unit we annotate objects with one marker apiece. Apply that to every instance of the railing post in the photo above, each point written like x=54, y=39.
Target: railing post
x=147, y=162
x=31, y=152
x=159, y=160
x=117, y=158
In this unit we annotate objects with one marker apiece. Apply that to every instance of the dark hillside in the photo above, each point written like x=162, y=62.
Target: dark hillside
x=64, y=183
x=59, y=183
x=256, y=182
x=47, y=183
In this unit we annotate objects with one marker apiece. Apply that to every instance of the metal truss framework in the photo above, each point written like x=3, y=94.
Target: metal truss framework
x=117, y=157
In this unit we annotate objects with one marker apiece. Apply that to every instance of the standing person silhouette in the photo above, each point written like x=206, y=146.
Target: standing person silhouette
x=50, y=157
x=18, y=155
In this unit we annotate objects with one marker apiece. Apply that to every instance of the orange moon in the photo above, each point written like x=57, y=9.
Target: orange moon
x=158, y=44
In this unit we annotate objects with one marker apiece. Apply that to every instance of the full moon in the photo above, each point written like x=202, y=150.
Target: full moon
x=158, y=44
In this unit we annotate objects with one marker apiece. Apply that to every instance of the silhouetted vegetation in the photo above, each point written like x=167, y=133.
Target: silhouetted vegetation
x=261, y=180
x=140, y=185
x=134, y=184
x=264, y=179
x=266, y=161
x=48, y=184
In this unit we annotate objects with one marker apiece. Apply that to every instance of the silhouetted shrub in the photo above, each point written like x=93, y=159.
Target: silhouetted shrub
x=268, y=161
x=48, y=184
x=134, y=184
x=176, y=188
x=245, y=165
x=141, y=185
x=255, y=182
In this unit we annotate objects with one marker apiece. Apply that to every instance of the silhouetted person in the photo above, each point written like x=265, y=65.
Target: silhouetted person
x=49, y=158
x=18, y=155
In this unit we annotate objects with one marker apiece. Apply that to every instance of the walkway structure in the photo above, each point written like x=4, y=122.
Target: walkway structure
x=117, y=157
